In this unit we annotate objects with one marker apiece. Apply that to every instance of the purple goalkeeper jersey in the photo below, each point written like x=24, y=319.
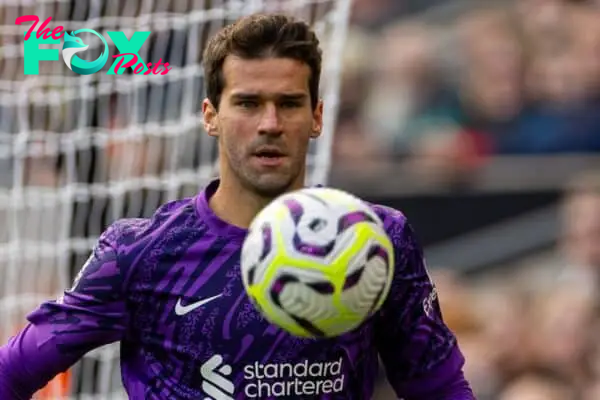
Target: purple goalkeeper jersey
x=169, y=290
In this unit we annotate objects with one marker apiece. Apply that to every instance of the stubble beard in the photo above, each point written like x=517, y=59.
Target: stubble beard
x=267, y=185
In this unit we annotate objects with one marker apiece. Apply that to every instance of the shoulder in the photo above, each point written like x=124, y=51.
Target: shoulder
x=408, y=250
x=394, y=221
x=387, y=214
x=128, y=240
x=127, y=234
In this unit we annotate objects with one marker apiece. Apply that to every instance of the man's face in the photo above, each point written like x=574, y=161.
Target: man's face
x=264, y=123
x=581, y=220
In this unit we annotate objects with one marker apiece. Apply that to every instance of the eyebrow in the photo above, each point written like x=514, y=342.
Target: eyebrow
x=280, y=96
x=294, y=96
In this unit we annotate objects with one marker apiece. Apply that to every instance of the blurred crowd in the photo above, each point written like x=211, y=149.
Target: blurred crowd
x=442, y=90
x=533, y=334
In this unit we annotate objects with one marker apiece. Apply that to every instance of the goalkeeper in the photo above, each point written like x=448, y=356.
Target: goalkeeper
x=169, y=289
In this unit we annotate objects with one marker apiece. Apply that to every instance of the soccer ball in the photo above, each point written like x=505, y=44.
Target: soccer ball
x=317, y=262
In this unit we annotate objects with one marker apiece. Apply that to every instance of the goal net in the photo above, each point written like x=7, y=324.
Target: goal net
x=80, y=151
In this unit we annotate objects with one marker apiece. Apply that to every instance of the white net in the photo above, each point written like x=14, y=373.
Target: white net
x=78, y=152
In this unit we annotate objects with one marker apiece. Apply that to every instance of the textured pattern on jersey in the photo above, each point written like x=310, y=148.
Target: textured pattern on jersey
x=92, y=309
x=431, y=342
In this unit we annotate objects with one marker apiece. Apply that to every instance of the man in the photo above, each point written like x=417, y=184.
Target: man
x=169, y=287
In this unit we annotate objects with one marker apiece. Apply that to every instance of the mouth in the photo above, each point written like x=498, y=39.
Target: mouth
x=269, y=155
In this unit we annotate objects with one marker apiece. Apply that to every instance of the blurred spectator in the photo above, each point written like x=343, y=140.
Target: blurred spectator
x=539, y=384
x=375, y=14
x=560, y=321
x=403, y=83
x=354, y=142
x=581, y=238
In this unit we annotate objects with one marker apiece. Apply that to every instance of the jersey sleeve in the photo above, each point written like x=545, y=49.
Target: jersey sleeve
x=419, y=352
x=90, y=314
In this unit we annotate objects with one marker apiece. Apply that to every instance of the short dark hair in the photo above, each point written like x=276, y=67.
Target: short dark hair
x=258, y=36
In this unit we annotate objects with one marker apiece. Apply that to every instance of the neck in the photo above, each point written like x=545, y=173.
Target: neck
x=235, y=205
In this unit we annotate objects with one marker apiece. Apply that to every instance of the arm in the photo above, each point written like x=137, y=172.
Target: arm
x=90, y=314
x=420, y=354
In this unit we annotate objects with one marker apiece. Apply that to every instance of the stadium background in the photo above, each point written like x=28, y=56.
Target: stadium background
x=481, y=123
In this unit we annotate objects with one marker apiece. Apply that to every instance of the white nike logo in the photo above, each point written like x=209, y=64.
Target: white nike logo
x=180, y=309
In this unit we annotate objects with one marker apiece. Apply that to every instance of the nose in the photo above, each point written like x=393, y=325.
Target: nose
x=269, y=123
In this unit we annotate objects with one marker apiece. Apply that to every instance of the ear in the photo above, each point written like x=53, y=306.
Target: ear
x=317, y=125
x=211, y=118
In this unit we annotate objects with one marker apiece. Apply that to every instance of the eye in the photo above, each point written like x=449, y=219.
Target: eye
x=291, y=104
x=247, y=104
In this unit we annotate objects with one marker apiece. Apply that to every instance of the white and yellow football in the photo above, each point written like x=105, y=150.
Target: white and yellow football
x=317, y=262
